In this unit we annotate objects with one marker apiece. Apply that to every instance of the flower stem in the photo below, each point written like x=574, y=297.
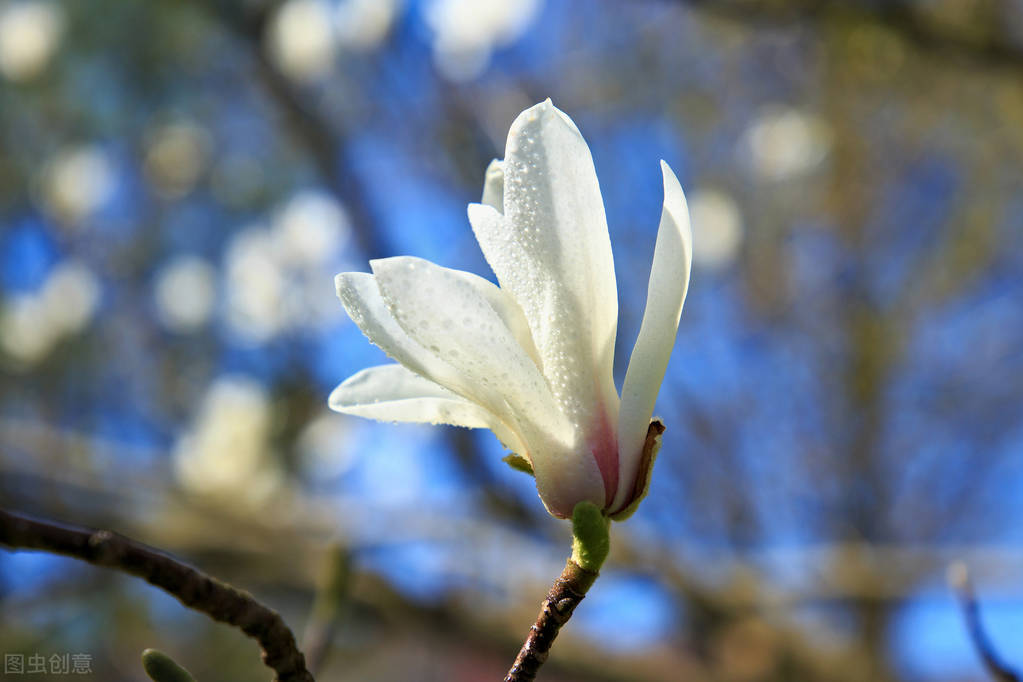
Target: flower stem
x=590, y=544
x=566, y=593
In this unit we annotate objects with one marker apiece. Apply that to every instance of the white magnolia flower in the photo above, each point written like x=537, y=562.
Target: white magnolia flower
x=531, y=360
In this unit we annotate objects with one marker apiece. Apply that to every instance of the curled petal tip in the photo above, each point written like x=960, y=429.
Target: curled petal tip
x=677, y=207
x=672, y=187
x=493, y=186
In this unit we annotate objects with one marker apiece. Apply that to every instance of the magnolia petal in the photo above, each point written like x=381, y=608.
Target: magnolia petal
x=446, y=312
x=506, y=308
x=493, y=186
x=666, y=292
x=565, y=478
x=360, y=294
x=393, y=393
x=551, y=251
x=361, y=298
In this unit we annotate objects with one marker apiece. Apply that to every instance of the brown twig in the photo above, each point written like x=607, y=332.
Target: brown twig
x=959, y=579
x=994, y=49
x=566, y=593
x=191, y=587
x=330, y=606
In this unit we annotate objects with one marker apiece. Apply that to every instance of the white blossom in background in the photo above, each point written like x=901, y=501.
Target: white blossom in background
x=310, y=228
x=783, y=143
x=175, y=158
x=71, y=296
x=32, y=324
x=309, y=232
x=185, y=293
x=273, y=275
x=226, y=452
x=363, y=24
x=530, y=360
x=25, y=330
x=255, y=286
x=30, y=33
x=466, y=32
x=323, y=446
x=78, y=182
x=301, y=39
x=717, y=228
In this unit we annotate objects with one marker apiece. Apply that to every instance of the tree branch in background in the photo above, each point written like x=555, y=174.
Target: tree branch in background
x=194, y=589
x=990, y=47
x=959, y=580
x=327, y=148
x=330, y=606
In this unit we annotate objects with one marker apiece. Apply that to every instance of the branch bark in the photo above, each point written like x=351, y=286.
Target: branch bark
x=566, y=593
x=191, y=587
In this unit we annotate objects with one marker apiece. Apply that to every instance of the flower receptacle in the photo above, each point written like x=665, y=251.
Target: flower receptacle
x=591, y=537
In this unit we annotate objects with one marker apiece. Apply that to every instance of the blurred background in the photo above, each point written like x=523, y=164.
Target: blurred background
x=180, y=181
